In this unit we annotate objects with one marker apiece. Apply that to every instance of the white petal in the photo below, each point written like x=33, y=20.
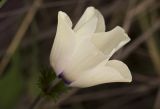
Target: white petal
x=65, y=18
x=63, y=43
x=84, y=57
x=87, y=15
x=101, y=23
x=90, y=22
x=110, y=42
x=112, y=71
x=88, y=28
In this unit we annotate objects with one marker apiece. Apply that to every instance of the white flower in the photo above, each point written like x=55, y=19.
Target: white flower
x=80, y=56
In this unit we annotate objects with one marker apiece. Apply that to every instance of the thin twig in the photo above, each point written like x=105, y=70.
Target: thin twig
x=130, y=7
x=147, y=83
x=22, y=10
x=123, y=100
x=154, y=53
x=36, y=102
x=128, y=50
x=151, y=43
x=19, y=35
x=136, y=10
x=157, y=101
x=116, y=6
x=102, y=94
x=131, y=4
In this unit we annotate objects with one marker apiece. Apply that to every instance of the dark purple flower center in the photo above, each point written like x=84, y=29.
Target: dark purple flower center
x=62, y=76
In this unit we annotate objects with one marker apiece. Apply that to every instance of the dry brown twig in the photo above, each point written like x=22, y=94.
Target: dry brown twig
x=19, y=35
x=22, y=10
x=131, y=13
x=156, y=105
x=131, y=4
x=135, y=11
x=148, y=83
x=130, y=7
x=105, y=94
x=138, y=92
x=155, y=56
x=128, y=50
x=48, y=34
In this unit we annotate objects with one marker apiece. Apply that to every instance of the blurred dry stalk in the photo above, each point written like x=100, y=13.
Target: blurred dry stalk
x=19, y=35
x=151, y=43
x=141, y=39
x=135, y=11
x=132, y=9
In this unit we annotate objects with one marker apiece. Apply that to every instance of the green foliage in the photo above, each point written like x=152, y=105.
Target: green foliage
x=45, y=84
x=58, y=90
x=45, y=79
x=2, y=2
x=11, y=85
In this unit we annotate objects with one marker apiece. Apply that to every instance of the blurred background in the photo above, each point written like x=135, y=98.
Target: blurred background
x=27, y=30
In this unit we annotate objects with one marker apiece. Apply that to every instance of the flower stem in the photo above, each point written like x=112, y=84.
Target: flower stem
x=36, y=102
x=39, y=97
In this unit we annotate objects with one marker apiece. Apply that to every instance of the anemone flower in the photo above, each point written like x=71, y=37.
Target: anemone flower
x=80, y=55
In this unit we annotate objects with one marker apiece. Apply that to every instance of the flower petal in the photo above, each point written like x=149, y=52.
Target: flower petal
x=87, y=15
x=88, y=28
x=63, y=43
x=84, y=57
x=112, y=71
x=110, y=42
x=87, y=23
x=101, y=23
